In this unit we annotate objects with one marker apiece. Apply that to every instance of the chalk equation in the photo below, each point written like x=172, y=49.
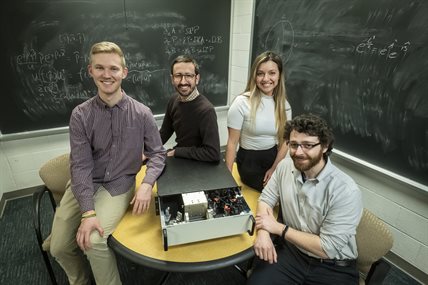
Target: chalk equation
x=48, y=72
x=69, y=38
x=181, y=29
x=391, y=51
x=31, y=57
x=189, y=40
x=193, y=40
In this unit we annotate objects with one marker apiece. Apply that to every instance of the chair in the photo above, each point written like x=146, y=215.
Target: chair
x=374, y=240
x=55, y=174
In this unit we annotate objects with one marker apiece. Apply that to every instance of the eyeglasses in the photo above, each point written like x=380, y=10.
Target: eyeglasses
x=304, y=146
x=179, y=76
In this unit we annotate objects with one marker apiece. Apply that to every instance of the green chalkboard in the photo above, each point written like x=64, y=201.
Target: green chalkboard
x=45, y=46
x=363, y=66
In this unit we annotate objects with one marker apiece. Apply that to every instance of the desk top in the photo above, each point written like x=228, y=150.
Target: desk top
x=139, y=239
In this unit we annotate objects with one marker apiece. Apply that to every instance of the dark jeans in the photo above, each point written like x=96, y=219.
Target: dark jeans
x=253, y=164
x=294, y=267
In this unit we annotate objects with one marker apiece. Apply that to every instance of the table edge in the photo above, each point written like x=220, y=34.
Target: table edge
x=172, y=266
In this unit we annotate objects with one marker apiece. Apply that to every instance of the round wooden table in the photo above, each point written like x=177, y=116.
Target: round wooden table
x=139, y=239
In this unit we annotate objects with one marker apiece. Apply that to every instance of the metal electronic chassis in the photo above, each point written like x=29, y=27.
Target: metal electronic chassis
x=203, y=215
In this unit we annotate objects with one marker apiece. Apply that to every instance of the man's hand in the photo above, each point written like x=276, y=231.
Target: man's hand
x=267, y=221
x=87, y=226
x=264, y=248
x=142, y=198
x=171, y=152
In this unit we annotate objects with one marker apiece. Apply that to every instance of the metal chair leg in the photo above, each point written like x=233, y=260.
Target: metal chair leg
x=37, y=198
x=377, y=273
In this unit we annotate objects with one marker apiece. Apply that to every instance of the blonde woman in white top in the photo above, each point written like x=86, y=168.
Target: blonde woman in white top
x=256, y=121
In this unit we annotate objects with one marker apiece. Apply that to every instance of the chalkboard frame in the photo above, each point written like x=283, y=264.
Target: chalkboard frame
x=62, y=130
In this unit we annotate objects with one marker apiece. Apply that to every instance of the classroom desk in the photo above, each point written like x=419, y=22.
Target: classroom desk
x=139, y=239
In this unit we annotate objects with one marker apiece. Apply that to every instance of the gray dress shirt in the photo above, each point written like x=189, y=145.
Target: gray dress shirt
x=329, y=206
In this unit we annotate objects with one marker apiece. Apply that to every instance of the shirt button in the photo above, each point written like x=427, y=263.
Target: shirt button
x=108, y=173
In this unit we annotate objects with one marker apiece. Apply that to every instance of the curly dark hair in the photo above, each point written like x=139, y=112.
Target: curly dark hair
x=311, y=125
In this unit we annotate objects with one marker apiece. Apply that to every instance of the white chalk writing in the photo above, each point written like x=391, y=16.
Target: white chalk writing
x=390, y=51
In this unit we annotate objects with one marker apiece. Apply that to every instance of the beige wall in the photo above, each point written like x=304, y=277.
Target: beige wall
x=20, y=159
x=403, y=207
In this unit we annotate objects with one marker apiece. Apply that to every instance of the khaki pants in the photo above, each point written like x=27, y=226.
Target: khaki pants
x=64, y=248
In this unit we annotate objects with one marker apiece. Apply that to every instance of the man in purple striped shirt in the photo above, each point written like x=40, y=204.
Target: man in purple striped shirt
x=108, y=134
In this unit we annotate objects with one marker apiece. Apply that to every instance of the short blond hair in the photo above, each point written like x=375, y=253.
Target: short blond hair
x=107, y=47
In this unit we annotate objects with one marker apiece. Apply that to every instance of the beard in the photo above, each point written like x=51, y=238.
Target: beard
x=187, y=92
x=305, y=162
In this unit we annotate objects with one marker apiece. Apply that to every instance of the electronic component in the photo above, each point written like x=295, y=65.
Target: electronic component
x=199, y=201
x=195, y=204
x=227, y=202
x=203, y=205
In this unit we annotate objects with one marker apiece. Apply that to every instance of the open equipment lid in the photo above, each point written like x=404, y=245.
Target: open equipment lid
x=186, y=175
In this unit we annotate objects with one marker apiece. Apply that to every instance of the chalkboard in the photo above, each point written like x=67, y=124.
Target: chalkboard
x=363, y=66
x=45, y=46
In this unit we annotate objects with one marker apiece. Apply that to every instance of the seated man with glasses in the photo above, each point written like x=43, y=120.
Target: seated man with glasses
x=190, y=115
x=321, y=208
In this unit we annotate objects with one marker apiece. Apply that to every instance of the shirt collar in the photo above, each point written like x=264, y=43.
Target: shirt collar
x=191, y=97
x=121, y=104
x=266, y=96
x=326, y=171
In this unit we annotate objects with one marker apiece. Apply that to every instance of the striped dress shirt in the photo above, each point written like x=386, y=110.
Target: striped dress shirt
x=107, y=145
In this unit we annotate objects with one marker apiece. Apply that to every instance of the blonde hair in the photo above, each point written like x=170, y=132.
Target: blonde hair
x=279, y=93
x=107, y=47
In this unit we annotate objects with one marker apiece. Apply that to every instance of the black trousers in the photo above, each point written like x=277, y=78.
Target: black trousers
x=253, y=164
x=294, y=267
